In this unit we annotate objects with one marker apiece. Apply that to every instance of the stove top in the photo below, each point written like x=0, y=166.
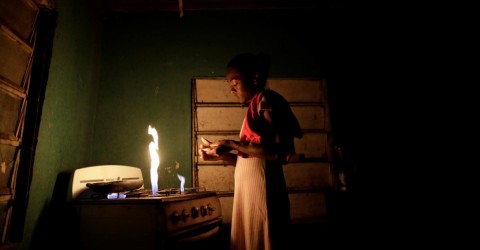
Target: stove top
x=164, y=192
x=169, y=194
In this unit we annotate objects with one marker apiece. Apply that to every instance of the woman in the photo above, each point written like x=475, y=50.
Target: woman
x=261, y=208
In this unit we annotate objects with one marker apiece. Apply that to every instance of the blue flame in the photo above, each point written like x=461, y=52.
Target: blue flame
x=182, y=183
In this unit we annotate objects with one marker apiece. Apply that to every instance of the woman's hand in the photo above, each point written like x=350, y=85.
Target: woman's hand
x=218, y=151
x=212, y=151
x=207, y=153
x=221, y=147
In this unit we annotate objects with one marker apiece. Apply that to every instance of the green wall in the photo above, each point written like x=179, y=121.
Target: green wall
x=104, y=89
x=66, y=128
x=148, y=63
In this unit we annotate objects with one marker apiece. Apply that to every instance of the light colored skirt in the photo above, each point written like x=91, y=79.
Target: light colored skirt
x=249, y=216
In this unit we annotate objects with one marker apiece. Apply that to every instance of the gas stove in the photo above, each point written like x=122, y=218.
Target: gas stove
x=140, y=219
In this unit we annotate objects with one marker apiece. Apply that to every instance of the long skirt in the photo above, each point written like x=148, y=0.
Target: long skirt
x=261, y=211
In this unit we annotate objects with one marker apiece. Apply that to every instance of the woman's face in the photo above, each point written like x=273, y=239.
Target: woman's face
x=240, y=88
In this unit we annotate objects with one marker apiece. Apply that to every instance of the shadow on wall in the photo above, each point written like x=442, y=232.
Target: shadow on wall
x=57, y=224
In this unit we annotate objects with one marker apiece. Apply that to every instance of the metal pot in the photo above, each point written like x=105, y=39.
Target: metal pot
x=115, y=186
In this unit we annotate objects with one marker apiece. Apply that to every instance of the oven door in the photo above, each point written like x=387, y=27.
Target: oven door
x=209, y=235
x=198, y=232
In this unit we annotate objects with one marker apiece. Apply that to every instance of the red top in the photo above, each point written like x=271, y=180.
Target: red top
x=255, y=129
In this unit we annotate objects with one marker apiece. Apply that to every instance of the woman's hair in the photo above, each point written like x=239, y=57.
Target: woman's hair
x=254, y=68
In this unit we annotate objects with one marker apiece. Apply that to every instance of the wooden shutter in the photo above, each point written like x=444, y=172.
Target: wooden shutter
x=17, y=35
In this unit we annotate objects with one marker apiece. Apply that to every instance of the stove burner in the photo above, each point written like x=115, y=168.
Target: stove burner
x=163, y=192
x=142, y=193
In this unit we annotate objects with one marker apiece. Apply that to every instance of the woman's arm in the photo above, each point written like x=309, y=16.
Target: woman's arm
x=268, y=151
x=208, y=153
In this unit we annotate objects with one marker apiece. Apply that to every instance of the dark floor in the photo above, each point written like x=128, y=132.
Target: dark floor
x=342, y=228
x=302, y=237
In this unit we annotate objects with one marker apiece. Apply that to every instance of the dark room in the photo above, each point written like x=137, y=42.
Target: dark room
x=110, y=111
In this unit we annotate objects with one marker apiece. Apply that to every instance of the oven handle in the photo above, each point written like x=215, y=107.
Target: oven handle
x=200, y=232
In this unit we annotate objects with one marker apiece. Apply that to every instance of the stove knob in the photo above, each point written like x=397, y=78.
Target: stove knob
x=210, y=209
x=185, y=215
x=175, y=217
x=195, y=212
x=204, y=211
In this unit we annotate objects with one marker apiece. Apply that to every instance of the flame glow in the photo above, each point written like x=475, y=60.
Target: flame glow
x=182, y=183
x=154, y=159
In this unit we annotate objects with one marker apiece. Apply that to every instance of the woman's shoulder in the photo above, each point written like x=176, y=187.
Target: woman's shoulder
x=273, y=96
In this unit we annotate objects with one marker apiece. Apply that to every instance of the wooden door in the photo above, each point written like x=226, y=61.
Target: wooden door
x=17, y=42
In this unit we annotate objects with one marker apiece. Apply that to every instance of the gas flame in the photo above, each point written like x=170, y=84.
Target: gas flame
x=154, y=159
x=182, y=183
